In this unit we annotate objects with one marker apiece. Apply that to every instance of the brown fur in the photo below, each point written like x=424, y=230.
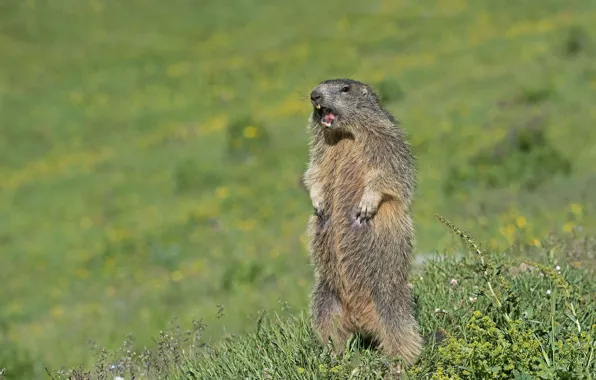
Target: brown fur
x=361, y=181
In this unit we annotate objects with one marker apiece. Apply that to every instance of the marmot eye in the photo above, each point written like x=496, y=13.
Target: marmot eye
x=345, y=88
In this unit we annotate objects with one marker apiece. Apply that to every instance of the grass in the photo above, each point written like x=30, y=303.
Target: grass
x=150, y=152
x=486, y=315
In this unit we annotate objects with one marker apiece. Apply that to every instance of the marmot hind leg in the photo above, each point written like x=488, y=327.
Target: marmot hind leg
x=398, y=331
x=328, y=316
x=401, y=339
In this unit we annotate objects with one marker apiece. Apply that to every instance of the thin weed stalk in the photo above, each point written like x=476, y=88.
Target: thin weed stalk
x=476, y=248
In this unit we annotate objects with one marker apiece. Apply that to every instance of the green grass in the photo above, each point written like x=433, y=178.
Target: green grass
x=132, y=188
x=483, y=316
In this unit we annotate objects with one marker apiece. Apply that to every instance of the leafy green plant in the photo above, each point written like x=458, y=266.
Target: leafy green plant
x=504, y=342
x=576, y=42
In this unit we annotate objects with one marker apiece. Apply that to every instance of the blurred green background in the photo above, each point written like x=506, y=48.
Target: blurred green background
x=150, y=151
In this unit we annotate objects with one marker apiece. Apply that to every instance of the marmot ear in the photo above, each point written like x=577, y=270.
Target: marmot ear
x=365, y=91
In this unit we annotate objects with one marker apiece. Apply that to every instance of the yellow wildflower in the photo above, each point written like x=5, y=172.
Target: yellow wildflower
x=250, y=132
x=576, y=208
x=521, y=221
x=222, y=192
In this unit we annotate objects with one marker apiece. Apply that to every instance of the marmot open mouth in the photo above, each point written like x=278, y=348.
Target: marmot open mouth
x=328, y=117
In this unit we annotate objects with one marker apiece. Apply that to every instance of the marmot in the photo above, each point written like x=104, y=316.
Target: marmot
x=361, y=180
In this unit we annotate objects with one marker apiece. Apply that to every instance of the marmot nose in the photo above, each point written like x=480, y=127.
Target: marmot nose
x=316, y=96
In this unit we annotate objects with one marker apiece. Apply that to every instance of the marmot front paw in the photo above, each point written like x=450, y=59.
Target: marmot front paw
x=319, y=208
x=319, y=212
x=367, y=209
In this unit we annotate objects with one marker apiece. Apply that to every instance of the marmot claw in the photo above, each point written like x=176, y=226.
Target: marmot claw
x=365, y=211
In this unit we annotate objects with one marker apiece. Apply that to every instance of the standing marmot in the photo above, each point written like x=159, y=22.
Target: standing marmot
x=361, y=181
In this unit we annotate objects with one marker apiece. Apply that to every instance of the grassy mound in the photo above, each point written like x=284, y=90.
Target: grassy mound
x=485, y=315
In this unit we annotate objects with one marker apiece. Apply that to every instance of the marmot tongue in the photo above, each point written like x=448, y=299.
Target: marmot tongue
x=329, y=117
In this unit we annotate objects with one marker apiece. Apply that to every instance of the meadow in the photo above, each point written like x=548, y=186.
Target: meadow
x=150, y=153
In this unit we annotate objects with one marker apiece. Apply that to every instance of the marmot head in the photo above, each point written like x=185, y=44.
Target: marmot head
x=343, y=103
